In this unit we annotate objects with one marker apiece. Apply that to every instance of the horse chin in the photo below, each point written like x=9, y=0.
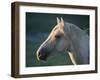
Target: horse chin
x=44, y=61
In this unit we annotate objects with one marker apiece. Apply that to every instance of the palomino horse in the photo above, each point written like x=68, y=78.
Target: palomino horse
x=66, y=37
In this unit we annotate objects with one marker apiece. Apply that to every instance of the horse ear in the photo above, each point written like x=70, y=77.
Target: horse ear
x=62, y=22
x=58, y=21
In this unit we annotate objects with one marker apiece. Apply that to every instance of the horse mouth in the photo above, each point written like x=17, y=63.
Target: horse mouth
x=42, y=58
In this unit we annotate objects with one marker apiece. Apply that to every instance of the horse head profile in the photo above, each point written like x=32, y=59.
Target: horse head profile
x=67, y=37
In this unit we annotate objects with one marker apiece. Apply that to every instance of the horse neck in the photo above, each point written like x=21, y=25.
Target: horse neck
x=79, y=42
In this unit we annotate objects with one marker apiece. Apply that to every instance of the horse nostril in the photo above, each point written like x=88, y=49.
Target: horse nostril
x=42, y=54
x=39, y=54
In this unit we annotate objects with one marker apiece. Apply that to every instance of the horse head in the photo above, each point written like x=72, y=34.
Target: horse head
x=56, y=41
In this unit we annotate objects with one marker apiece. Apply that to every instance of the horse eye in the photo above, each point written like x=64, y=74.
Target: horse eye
x=57, y=36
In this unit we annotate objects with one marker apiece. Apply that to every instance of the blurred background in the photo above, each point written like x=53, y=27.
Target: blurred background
x=38, y=27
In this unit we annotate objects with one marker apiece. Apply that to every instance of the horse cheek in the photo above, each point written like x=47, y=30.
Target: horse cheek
x=61, y=45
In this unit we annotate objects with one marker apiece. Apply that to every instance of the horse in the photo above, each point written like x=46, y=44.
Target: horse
x=66, y=37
